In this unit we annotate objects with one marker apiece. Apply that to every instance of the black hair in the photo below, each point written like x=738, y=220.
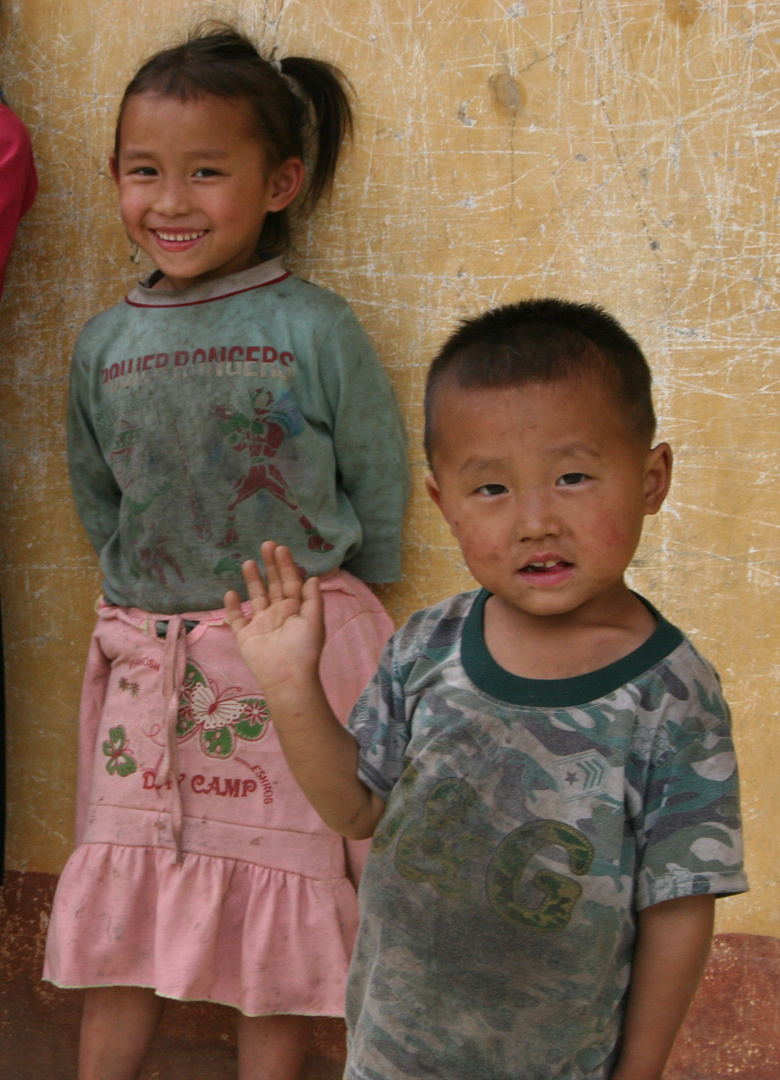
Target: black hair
x=216, y=59
x=543, y=341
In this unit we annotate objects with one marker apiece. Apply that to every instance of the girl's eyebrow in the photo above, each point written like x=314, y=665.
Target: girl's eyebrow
x=210, y=153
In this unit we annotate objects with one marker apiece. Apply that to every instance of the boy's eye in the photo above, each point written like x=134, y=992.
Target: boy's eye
x=206, y=172
x=144, y=170
x=569, y=479
x=491, y=489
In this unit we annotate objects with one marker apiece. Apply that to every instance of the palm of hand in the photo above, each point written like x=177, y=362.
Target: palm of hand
x=285, y=634
x=279, y=640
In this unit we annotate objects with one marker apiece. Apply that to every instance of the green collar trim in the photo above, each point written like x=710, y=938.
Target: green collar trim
x=492, y=679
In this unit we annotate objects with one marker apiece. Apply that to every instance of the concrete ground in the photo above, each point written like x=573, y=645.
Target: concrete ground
x=732, y=1030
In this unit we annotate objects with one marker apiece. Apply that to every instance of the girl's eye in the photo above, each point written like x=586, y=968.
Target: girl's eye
x=491, y=489
x=204, y=173
x=144, y=170
x=570, y=479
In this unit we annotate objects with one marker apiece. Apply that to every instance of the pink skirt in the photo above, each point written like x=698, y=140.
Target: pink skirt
x=201, y=870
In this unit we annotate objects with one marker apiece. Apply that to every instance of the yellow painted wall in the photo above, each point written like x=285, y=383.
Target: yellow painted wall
x=622, y=151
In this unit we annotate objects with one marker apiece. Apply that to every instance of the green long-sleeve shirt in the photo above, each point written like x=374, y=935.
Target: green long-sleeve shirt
x=203, y=422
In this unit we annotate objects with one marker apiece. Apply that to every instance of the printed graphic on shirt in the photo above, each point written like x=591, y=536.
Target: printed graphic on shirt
x=222, y=787
x=200, y=519
x=512, y=870
x=215, y=361
x=219, y=717
x=120, y=761
x=437, y=847
x=121, y=458
x=149, y=560
x=581, y=775
x=126, y=686
x=259, y=438
x=447, y=842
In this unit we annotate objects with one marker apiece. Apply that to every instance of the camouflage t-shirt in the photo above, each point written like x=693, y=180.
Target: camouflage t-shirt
x=527, y=821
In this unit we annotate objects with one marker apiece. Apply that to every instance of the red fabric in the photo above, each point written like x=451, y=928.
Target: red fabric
x=18, y=181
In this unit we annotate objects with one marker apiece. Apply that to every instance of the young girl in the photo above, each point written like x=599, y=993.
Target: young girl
x=223, y=402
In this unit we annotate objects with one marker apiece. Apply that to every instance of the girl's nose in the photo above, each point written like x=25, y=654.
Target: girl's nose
x=172, y=198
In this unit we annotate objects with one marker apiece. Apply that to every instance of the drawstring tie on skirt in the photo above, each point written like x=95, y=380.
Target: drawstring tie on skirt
x=174, y=630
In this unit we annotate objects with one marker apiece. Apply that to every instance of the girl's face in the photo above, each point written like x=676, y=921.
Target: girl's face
x=195, y=186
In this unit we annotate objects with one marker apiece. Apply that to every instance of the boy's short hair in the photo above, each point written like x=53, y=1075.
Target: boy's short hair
x=543, y=341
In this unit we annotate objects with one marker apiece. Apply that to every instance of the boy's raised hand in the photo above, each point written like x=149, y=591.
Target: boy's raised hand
x=281, y=646
x=284, y=637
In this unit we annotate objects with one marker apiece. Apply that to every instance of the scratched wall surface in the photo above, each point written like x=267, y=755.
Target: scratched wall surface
x=615, y=150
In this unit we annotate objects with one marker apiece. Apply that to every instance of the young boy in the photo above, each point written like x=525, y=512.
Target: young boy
x=545, y=763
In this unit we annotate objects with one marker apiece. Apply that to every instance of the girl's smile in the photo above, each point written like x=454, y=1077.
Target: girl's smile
x=195, y=186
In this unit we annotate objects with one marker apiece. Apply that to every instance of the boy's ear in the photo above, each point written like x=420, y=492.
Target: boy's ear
x=432, y=486
x=658, y=476
x=433, y=489
x=286, y=182
x=114, y=167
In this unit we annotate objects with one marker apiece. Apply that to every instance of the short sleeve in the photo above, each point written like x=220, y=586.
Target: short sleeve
x=380, y=723
x=688, y=828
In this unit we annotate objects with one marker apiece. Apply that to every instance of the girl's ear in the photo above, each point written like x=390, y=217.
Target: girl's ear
x=114, y=167
x=286, y=182
x=658, y=476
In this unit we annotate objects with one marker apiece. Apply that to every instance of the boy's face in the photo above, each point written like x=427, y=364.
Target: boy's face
x=545, y=488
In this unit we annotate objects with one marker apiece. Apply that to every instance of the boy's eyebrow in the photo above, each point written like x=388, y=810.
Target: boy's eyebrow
x=575, y=450
x=476, y=464
x=479, y=464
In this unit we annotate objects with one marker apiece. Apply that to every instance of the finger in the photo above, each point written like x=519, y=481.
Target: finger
x=235, y=615
x=268, y=549
x=284, y=581
x=292, y=584
x=312, y=606
x=255, y=586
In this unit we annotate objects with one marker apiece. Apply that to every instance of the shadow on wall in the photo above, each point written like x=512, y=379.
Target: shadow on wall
x=733, y=1028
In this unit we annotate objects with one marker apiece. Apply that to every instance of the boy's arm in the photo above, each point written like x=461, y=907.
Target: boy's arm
x=281, y=645
x=672, y=944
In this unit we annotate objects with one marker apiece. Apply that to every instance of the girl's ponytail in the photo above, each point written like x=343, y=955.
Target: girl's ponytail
x=324, y=86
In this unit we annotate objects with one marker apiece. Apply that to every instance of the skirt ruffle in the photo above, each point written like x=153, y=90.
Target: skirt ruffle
x=262, y=940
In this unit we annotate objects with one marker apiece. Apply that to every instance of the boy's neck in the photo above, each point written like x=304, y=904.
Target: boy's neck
x=568, y=645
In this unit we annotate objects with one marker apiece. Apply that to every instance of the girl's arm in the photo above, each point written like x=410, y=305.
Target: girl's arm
x=369, y=444
x=95, y=490
x=672, y=944
x=281, y=645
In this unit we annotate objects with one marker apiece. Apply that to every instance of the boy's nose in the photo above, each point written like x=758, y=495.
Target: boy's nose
x=536, y=517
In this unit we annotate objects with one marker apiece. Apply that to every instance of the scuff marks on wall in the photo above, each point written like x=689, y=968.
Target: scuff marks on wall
x=624, y=152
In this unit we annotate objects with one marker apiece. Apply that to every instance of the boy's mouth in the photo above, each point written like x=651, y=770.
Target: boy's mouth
x=545, y=568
